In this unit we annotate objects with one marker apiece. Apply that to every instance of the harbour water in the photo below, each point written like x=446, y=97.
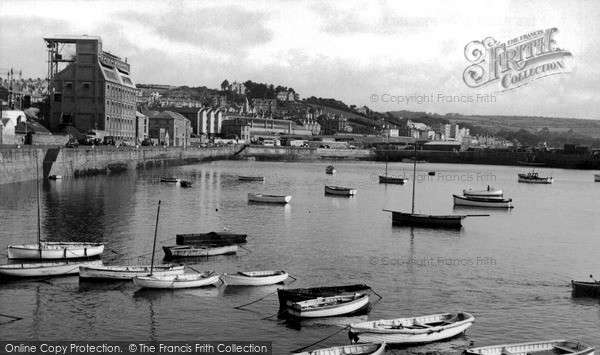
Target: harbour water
x=511, y=270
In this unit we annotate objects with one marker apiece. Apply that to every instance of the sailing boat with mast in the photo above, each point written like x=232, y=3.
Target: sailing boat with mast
x=390, y=179
x=425, y=220
x=38, y=269
x=173, y=281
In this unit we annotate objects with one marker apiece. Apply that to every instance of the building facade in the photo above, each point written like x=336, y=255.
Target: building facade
x=170, y=128
x=89, y=88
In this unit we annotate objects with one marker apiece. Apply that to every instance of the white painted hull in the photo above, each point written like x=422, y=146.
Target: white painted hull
x=55, y=250
x=534, y=179
x=176, y=281
x=256, y=278
x=491, y=192
x=341, y=191
x=482, y=202
x=357, y=349
x=269, y=198
x=328, y=306
x=45, y=269
x=389, y=331
x=571, y=347
x=128, y=272
x=196, y=250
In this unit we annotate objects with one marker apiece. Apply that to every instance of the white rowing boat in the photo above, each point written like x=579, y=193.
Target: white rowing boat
x=255, y=278
x=55, y=250
x=254, y=197
x=493, y=202
x=328, y=306
x=177, y=281
x=57, y=268
x=424, y=329
x=564, y=347
x=357, y=349
x=489, y=192
x=122, y=272
x=179, y=251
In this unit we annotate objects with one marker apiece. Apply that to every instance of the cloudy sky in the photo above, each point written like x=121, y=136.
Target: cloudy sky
x=361, y=52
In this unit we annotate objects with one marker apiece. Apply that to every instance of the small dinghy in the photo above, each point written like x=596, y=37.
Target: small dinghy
x=328, y=306
x=424, y=329
x=358, y=349
x=177, y=281
x=254, y=278
x=558, y=347
x=253, y=197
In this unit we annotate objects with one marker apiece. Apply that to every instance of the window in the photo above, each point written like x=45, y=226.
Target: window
x=69, y=84
x=87, y=86
x=58, y=97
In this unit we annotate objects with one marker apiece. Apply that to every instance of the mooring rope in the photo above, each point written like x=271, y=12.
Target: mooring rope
x=260, y=299
x=306, y=347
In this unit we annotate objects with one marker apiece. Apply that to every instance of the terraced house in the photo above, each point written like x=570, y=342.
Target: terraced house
x=91, y=89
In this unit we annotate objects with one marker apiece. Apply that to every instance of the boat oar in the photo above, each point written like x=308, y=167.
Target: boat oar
x=260, y=299
x=378, y=295
x=292, y=277
x=306, y=347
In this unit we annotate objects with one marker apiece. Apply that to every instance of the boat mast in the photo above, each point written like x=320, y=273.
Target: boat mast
x=154, y=244
x=39, y=225
x=414, y=178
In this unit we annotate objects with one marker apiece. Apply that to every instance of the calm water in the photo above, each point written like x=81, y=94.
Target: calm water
x=511, y=270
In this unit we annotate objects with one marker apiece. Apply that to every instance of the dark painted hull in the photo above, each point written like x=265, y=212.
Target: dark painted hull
x=391, y=180
x=303, y=294
x=585, y=289
x=425, y=220
x=210, y=238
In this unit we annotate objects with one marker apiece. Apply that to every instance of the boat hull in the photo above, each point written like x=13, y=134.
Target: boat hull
x=90, y=273
x=340, y=191
x=328, y=306
x=251, y=178
x=168, y=179
x=257, y=278
x=404, y=330
x=386, y=179
x=597, y=177
x=176, y=281
x=586, y=289
x=425, y=220
x=357, y=349
x=535, y=180
x=482, y=202
x=303, y=294
x=182, y=251
x=281, y=199
x=55, y=250
x=211, y=237
x=24, y=270
x=571, y=347
x=491, y=192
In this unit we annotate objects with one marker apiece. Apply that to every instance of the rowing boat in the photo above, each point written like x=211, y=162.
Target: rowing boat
x=424, y=329
x=55, y=250
x=119, y=272
x=177, y=281
x=254, y=197
x=357, y=349
x=254, y=278
x=328, y=306
x=303, y=294
x=210, y=237
x=563, y=347
x=57, y=268
x=342, y=191
x=178, y=251
x=493, y=202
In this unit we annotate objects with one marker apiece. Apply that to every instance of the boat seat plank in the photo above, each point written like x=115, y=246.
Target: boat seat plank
x=564, y=348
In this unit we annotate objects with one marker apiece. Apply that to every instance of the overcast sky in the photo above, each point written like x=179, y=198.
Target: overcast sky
x=360, y=52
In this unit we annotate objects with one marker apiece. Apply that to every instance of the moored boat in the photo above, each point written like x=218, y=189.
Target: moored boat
x=179, y=251
x=482, y=202
x=54, y=177
x=254, y=197
x=426, y=220
x=303, y=294
x=254, y=278
x=534, y=178
x=185, y=183
x=169, y=179
x=582, y=288
x=424, y=329
x=121, y=272
x=489, y=192
x=571, y=347
x=330, y=170
x=356, y=349
x=210, y=237
x=55, y=250
x=57, y=268
x=251, y=178
x=391, y=179
x=177, y=281
x=328, y=306
x=342, y=191
x=597, y=177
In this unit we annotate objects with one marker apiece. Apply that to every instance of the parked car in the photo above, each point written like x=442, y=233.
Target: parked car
x=72, y=143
